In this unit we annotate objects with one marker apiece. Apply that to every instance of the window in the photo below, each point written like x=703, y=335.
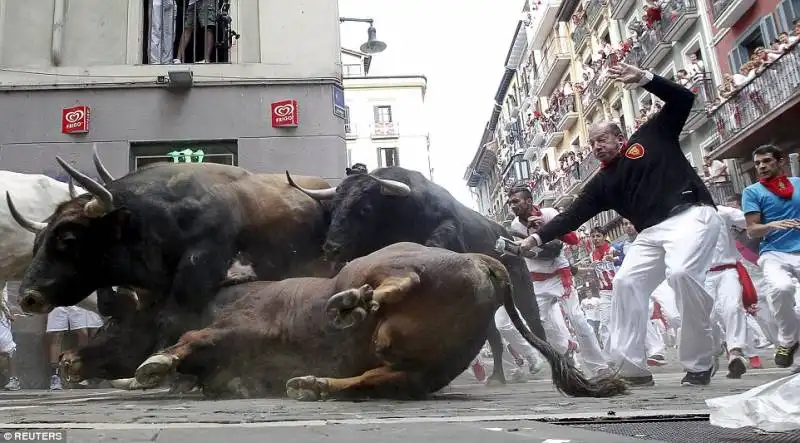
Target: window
x=383, y=114
x=352, y=70
x=387, y=157
x=788, y=12
x=522, y=170
x=761, y=33
x=183, y=152
x=347, y=128
x=163, y=45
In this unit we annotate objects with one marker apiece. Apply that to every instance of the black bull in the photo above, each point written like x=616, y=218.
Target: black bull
x=172, y=229
x=389, y=205
x=374, y=329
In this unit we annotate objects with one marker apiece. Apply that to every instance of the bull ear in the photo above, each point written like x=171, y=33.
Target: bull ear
x=117, y=222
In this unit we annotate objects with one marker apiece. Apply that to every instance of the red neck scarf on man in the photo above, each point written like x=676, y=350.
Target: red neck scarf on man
x=779, y=185
x=601, y=251
x=622, y=149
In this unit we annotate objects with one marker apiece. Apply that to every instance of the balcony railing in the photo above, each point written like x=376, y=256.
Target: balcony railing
x=719, y=6
x=580, y=34
x=678, y=16
x=385, y=130
x=589, y=93
x=767, y=91
x=652, y=43
x=635, y=56
x=721, y=192
x=593, y=11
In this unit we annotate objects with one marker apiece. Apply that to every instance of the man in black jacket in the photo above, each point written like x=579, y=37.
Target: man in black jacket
x=648, y=181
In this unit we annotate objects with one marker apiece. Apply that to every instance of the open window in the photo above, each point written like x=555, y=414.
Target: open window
x=760, y=34
x=143, y=154
x=388, y=157
x=167, y=22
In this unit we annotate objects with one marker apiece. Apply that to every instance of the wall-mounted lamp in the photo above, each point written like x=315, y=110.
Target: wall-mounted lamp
x=181, y=79
x=372, y=45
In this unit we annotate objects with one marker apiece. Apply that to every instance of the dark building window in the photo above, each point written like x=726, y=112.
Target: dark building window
x=383, y=114
x=388, y=157
x=183, y=152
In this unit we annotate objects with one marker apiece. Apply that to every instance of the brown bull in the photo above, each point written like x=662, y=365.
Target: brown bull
x=401, y=322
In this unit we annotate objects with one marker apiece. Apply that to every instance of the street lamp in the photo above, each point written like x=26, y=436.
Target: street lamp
x=372, y=45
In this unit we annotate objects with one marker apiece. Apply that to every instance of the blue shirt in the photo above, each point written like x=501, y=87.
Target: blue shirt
x=757, y=198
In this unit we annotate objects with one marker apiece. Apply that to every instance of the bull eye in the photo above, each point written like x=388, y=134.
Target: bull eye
x=365, y=210
x=64, y=240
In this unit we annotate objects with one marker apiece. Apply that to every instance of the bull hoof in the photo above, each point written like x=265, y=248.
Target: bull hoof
x=182, y=386
x=153, y=371
x=308, y=388
x=69, y=365
x=348, y=308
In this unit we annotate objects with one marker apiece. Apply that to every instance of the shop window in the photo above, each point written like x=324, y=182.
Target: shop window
x=183, y=152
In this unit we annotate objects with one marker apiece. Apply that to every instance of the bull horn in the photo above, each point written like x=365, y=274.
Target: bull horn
x=122, y=383
x=102, y=202
x=101, y=169
x=32, y=226
x=72, y=192
x=393, y=187
x=316, y=194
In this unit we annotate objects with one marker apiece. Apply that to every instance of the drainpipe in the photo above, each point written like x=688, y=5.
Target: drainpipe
x=57, y=44
x=794, y=164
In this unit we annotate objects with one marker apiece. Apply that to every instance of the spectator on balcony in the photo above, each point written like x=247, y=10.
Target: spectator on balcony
x=651, y=15
x=204, y=12
x=649, y=181
x=162, y=31
x=682, y=78
x=588, y=72
x=695, y=68
x=717, y=170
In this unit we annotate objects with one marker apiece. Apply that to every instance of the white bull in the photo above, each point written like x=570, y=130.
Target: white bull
x=35, y=197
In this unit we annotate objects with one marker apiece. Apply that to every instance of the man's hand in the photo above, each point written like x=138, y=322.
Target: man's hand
x=529, y=243
x=625, y=73
x=535, y=221
x=785, y=224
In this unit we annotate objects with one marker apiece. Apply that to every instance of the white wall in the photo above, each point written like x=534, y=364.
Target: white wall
x=405, y=96
x=279, y=40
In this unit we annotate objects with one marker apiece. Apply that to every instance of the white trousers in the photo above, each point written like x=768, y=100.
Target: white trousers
x=548, y=296
x=514, y=338
x=162, y=31
x=72, y=318
x=665, y=297
x=728, y=310
x=654, y=344
x=680, y=248
x=604, y=314
x=778, y=268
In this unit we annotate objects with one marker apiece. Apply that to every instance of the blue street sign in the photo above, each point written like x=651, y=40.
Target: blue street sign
x=338, y=102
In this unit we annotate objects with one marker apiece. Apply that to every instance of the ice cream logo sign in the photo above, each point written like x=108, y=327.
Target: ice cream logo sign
x=75, y=120
x=284, y=114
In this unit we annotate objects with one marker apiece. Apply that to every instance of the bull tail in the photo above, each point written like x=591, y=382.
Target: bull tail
x=566, y=377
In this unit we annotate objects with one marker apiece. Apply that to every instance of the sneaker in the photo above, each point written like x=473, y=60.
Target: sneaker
x=55, y=383
x=784, y=357
x=698, y=378
x=535, y=366
x=737, y=364
x=641, y=381
x=176, y=61
x=13, y=384
x=755, y=362
x=656, y=360
x=201, y=62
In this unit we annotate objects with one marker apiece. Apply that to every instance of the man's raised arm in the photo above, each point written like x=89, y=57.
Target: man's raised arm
x=678, y=102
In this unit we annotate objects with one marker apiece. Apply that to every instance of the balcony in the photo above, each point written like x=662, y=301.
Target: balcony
x=679, y=16
x=589, y=95
x=580, y=36
x=565, y=187
x=620, y=8
x=594, y=10
x=545, y=21
x=567, y=113
x=350, y=131
x=384, y=130
x=765, y=110
x=721, y=192
x=726, y=13
x=703, y=88
x=654, y=46
x=555, y=61
x=635, y=56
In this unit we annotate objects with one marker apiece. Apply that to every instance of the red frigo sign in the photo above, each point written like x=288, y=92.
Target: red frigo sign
x=284, y=114
x=75, y=120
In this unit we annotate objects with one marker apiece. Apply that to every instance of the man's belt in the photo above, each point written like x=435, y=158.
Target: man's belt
x=564, y=273
x=681, y=207
x=723, y=267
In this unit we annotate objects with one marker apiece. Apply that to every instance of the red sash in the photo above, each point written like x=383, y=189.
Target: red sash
x=564, y=273
x=749, y=295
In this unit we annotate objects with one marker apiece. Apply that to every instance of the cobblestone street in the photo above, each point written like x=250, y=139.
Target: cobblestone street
x=464, y=412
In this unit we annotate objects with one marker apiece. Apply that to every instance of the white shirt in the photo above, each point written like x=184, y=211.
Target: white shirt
x=715, y=168
x=725, y=252
x=589, y=306
x=539, y=265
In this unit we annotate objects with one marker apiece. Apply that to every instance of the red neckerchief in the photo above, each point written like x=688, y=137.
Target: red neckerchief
x=601, y=251
x=622, y=149
x=780, y=186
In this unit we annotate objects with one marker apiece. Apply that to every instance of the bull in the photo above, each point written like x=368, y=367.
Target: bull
x=364, y=332
x=389, y=205
x=171, y=229
x=39, y=196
